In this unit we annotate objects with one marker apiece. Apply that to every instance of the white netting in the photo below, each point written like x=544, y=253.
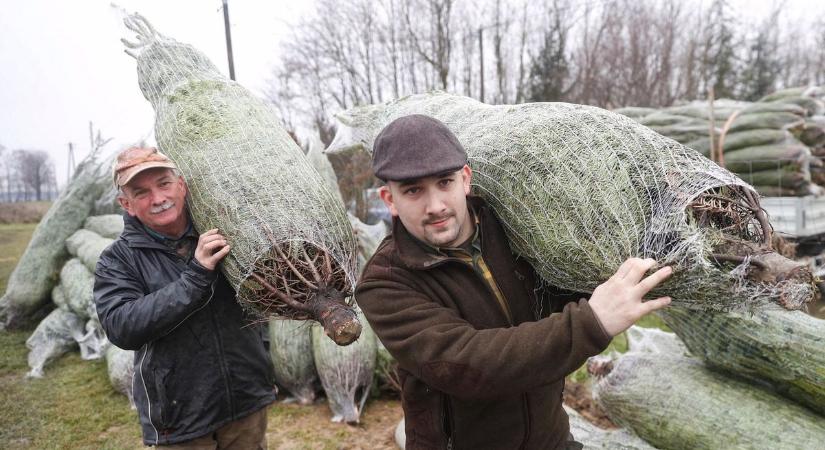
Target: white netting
x=580, y=189
x=293, y=251
x=676, y=403
x=106, y=225
x=53, y=337
x=593, y=437
x=780, y=348
x=653, y=340
x=290, y=347
x=774, y=144
x=87, y=246
x=121, y=367
x=346, y=372
x=78, y=287
x=36, y=273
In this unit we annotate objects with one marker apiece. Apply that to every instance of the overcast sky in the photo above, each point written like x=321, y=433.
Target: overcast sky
x=63, y=64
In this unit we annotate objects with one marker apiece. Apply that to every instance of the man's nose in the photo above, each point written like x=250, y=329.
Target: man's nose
x=157, y=197
x=435, y=202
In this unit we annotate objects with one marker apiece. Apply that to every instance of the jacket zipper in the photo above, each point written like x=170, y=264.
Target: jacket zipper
x=447, y=421
x=148, y=400
x=146, y=350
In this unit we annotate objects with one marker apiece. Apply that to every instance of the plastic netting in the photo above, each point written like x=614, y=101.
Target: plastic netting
x=121, y=367
x=87, y=246
x=773, y=346
x=593, y=437
x=54, y=336
x=78, y=286
x=676, y=403
x=290, y=347
x=107, y=225
x=652, y=340
x=346, y=373
x=36, y=273
x=774, y=144
x=289, y=234
x=580, y=189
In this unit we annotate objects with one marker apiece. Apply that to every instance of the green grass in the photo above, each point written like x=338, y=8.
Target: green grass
x=73, y=406
x=13, y=240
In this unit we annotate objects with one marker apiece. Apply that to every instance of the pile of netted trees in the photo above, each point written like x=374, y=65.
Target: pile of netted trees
x=738, y=381
x=580, y=189
x=55, y=276
x=775, y=144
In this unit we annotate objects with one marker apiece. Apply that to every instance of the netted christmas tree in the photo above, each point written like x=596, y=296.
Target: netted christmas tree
x=580, y=189
x=293, y=251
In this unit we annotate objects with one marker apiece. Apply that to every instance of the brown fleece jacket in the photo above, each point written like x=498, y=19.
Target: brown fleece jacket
x=470, y=379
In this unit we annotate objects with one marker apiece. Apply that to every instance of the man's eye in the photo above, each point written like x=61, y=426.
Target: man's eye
x=412, y=191
x=445, y=182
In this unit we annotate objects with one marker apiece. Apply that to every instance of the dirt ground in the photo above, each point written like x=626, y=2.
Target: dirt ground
x=292, y=426
x=578, y=396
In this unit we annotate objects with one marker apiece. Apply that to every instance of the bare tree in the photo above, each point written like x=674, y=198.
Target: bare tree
x=435, y=44
x=36, y=170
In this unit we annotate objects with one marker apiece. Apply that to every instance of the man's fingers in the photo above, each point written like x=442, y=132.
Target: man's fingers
x=653, y=305
x=208, y=233
x=220, y=254
x=653, y=280
x=638, y=268
x=209, y=246
x=212, y=237
x=622, y=271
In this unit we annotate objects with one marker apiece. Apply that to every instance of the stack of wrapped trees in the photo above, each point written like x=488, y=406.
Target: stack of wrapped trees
x=674, y=401
x=775, y=144
x=73, y=322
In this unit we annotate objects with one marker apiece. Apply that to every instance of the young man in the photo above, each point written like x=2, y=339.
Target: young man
x=444, y=293
x=203, y=378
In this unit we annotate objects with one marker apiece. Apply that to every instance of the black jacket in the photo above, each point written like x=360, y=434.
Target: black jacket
x=198, y=364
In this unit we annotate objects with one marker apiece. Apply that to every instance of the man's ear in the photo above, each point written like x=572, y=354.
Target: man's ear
x=467, y=178
x=125, y=204
x=386, y=195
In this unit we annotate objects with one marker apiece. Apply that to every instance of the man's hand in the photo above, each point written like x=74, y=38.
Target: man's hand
x=618, y=301
x=212, y=247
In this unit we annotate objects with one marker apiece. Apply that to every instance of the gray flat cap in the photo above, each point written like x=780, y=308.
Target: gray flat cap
x=416, y=146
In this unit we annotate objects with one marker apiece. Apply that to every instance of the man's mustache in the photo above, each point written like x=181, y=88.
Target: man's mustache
x=162, y=207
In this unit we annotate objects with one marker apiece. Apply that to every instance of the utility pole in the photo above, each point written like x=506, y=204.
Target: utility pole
x=228, y=39
x=481, y=57
x=70, y=165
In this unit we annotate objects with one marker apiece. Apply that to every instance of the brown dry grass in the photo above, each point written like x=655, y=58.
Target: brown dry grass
x=23, y=212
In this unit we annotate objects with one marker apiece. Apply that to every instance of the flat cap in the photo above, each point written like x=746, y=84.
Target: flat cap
x=416, y=146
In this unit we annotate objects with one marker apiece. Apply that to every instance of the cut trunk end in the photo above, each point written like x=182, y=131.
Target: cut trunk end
x=340, y=321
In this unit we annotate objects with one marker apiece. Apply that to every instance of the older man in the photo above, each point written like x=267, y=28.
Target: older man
x=482, y=349
x=203, y=378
